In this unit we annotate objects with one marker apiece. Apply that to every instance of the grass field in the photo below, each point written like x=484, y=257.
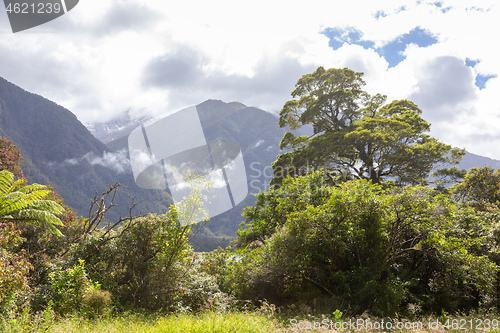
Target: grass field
x=207, y=322
x=234, y=322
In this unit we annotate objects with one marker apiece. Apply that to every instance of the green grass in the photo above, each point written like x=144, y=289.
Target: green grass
x=207, y=322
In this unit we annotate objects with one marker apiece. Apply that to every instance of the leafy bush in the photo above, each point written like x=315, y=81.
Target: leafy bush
x=96, y=303
x=142, y=266
x=148, y=263
x=363, y=247
x=200, y=291
x=14, y=269
x=69, y=288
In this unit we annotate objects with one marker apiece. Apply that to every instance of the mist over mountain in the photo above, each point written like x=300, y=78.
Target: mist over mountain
x=60, y=151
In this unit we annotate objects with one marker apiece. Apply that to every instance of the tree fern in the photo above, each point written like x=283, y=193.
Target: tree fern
x=27, y=203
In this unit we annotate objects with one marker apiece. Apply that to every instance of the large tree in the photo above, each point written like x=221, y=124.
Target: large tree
x=357, y=135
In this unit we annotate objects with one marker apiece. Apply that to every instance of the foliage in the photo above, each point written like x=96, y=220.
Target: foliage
x=26, y=321
x=14, y=269
x=45, y=250
x=190, y=210
x=27, y=203
x=20, y=204
x=69, y=287
x=200, y=291
x=363, y=247
x=144, y=262
x=151, y=266
x=357, y=133
x=10, y=158
x=127, y=322
x=272, y=207
x=480, y=187
x=96, y=303
x=446, y=176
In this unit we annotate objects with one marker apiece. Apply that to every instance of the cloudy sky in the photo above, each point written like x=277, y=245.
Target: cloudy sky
x=105, y=57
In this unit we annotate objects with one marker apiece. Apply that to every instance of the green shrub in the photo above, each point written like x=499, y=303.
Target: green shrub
x=68, y=287
x=96, y=303
x=365, y=247
x=14, y=269
x=199, y=291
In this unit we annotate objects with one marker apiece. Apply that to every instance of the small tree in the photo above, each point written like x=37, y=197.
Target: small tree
x=68, y=288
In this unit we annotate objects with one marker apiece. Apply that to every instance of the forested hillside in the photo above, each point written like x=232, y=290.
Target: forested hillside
x=59, y=150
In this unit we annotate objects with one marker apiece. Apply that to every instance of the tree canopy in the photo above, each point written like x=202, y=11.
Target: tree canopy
x=479, y=187
x=355, y=134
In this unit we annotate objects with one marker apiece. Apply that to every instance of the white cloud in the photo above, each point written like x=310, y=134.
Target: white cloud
x=258, y=143
x=105, y=57
x=117, y=161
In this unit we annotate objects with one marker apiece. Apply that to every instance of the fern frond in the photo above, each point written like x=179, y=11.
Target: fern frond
x=6, y=179
x=26, y=203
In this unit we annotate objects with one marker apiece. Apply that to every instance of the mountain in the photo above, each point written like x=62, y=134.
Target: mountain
x=471, y=160
x=60, y=151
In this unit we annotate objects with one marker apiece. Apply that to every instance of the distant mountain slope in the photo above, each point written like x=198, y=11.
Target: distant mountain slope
x=48, y=135
x=472, y=160
x=41, y=127
x=60, y=151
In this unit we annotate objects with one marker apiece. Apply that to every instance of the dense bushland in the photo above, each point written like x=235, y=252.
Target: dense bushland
x=364, y=247
x=364, y=234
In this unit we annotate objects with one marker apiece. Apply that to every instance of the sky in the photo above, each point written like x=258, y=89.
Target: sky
x=108, y=57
